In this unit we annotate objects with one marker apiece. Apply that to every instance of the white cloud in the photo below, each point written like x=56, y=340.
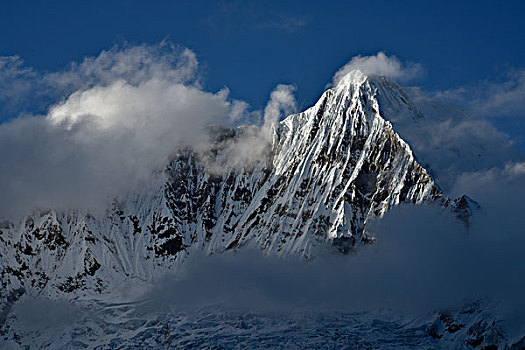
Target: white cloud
x=282, y=103
x=253, y=142
x=380, y=64
x=240, y=111
x=24, y=90
x=128, y=110
x=112, y=120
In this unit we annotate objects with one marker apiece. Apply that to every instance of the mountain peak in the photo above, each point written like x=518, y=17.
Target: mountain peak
x=354, y=77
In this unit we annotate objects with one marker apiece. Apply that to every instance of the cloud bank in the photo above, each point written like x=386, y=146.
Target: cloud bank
x=111, y=121
x=124, y=113
x=424, y=261
x=380, y=64
x=100, y=142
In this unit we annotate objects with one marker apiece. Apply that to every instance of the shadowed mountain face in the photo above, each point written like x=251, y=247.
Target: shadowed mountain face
x=322, y=176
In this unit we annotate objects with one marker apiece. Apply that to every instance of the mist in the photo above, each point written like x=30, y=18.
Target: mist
x=37, y=314
x=424, y=260
x=416, y=256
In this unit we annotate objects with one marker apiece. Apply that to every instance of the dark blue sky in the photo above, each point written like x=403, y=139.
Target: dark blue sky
x=252, y=46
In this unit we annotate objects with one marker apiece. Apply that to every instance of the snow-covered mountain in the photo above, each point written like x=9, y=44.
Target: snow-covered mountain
x=325, y=174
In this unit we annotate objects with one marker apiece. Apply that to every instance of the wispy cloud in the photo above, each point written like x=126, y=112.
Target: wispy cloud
x=500, y=101
x=254, y=15
x=16, y=83
x=284, y=23
x=253, y=144
x=504, y=98
x=381, y=64
x=282, y=103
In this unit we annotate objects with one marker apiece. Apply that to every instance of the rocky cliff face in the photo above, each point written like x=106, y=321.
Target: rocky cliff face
x=325, y=174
